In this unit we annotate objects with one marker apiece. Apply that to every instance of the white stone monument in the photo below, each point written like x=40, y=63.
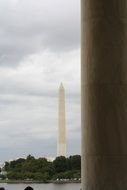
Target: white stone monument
x=61, y=144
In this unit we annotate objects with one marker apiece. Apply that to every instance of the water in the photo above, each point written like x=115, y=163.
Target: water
x=70, y=186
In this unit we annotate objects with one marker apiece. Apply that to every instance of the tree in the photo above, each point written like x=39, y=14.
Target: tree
x=41, y=169
x=75, y=162
x=60, y=164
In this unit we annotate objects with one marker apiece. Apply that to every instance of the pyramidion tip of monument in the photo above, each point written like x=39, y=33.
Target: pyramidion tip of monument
x=61, y=86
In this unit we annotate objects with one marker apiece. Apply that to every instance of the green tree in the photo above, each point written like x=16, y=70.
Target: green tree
x=7, y=166
x=41, y=169
x=60, y=164
x=75, y=162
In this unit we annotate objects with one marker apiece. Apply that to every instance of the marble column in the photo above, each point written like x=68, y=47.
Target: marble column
x=61, y=149
x=104, y=94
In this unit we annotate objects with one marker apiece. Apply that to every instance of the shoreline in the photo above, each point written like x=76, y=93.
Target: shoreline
x=39, y=182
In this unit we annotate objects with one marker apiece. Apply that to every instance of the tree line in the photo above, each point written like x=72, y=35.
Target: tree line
x=41, y=169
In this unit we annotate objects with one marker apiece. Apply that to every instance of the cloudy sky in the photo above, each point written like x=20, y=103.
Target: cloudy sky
x=39, y=49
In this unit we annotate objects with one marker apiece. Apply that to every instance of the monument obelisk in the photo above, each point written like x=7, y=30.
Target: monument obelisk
x=61, y=144
x=104, y=94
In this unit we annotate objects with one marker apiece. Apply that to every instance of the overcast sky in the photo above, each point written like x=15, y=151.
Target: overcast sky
x=39, y=49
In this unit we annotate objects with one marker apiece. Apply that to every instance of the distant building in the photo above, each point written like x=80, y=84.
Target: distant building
x=50, y=159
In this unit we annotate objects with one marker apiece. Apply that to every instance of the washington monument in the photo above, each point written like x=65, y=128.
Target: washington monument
x=61, y=145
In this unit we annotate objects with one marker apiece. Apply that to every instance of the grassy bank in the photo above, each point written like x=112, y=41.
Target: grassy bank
x=35, y=181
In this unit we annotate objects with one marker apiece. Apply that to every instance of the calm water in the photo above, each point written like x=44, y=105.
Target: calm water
x=74, y=186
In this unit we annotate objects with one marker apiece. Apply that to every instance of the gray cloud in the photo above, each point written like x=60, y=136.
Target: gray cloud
x=29, y=26
x=39, y=49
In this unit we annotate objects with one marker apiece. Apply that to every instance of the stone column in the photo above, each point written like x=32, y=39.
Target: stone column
x=104, y=94
x=61, y=149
